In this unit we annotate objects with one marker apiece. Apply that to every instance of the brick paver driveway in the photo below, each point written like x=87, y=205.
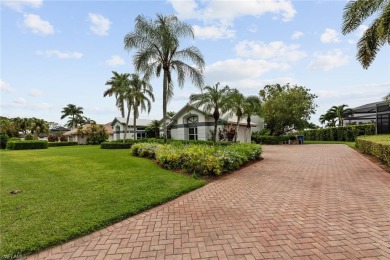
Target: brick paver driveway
x=304, y=202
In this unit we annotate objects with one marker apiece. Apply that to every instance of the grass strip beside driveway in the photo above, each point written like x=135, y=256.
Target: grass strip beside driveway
x=67, y=192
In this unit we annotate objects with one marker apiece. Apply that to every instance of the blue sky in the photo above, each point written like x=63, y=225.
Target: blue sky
x=54, y=53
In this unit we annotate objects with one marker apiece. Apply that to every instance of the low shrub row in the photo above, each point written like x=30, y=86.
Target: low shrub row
x=377, y=145
x=199, y=159
x=56, y=144
x=268, y=139
x=26, y=145
x=342, y=133
x=115, y=145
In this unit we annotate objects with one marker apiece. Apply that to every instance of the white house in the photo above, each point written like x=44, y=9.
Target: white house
x=74, y=135
x=118, y=126
x=191, y=123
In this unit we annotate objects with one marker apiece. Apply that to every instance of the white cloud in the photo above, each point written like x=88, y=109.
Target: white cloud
x=99, y=24
x=35, y=93
x=226, y=12
x=330, y=36
x=60, y=54
x=213, y=32
x=233, y=70
x=42, y=106
x=4, y=86
x=327, y=61
x=37, y=25
x=20, y=100
x=296, y=35
x=115, y=60
x=276, y=50
x=19, y=5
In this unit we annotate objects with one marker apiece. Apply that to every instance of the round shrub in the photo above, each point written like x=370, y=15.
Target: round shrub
x=3, y=140
x=29, y=137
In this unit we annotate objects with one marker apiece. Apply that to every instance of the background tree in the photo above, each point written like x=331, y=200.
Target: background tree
x=39, y=126
x=252, y=106
x=237, y=108
x=341, y=112
x=285, y=108
x=121, y=89
x=171, y=114
x=376, y=35
x=213, y=99
x=157, y=43
x=74, y=112
x=8, y=127
x=141, y=92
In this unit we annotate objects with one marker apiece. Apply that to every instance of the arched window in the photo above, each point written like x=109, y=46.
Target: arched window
x=192, y=127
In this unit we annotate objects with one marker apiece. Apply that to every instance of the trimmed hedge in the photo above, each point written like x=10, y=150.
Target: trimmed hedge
x=269, y=139
x=115, y=145
x=55, y=144
x=129, y=142
x=199, y=159
x=27, y=145
x=342, y=133
x=377, y=145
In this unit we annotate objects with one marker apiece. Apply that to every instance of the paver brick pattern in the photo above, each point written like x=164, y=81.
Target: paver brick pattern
x=300, y=202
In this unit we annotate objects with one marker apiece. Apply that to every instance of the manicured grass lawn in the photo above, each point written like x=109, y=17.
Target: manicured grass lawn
x=350, y=144
x=71, y=191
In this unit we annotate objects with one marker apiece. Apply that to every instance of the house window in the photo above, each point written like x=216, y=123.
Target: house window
x=141, y=135
x=192, y=128
x=193, y=133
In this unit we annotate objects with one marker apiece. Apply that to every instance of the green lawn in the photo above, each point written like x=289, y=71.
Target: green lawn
x=71, y=191
x=350, y=144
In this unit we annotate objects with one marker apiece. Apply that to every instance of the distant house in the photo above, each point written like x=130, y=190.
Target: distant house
x=74, y=135
x=378, y=113
x=118, y=126
x=191, y=123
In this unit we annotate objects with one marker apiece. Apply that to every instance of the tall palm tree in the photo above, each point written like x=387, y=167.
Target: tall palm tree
x=116, y=82
x=122, y=90
x=73, y=112
x=341, y=112
x=377, y=34
x=158, y=43
x=213, y=99
x=237, y=108
x=252, y=106
x=141, y=90
x=329, y=118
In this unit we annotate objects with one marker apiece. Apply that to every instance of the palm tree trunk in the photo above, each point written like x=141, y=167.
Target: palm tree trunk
x=216, y=117
x=165, y=93
x=135, y=122
x=237, y=125
x=127, y=123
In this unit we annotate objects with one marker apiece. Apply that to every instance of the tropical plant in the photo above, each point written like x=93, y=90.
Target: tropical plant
x=141, y=90
x=341, y=112
x=213, y=99
x=121, y=89
x=252, y=106
x=158, y=43
x=155, y=126
x=376, y=35
x=74, y=112
x=329, y=118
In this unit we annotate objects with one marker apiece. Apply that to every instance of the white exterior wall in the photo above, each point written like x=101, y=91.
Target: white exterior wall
x=129, y=135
